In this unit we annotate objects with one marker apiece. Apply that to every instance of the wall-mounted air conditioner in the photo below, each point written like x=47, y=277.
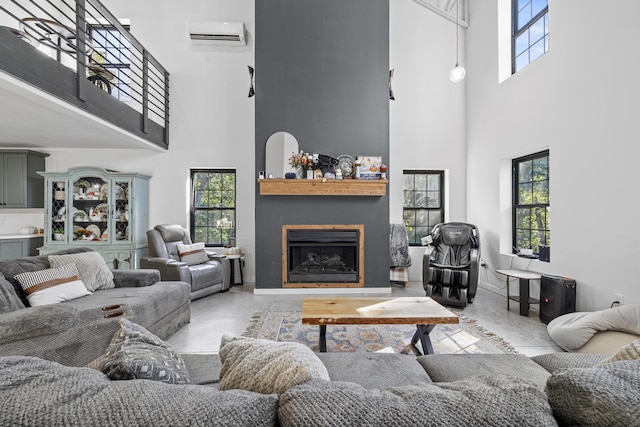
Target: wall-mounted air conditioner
x=218, y=33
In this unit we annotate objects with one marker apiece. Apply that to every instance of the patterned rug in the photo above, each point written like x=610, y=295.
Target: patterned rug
x=465, y=337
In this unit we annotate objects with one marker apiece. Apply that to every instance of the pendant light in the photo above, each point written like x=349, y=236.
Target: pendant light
x=457, y=73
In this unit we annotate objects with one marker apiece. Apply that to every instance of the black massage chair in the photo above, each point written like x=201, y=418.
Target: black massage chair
x=451, y=263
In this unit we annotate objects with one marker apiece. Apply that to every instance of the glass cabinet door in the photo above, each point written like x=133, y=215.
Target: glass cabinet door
x=122, y=210
x=90, y=210
x=58, y=210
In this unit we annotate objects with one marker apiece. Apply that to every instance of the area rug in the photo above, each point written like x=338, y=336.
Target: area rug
x=465, y=337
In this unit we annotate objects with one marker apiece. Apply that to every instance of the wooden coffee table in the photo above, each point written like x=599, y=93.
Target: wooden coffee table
x=423, y=312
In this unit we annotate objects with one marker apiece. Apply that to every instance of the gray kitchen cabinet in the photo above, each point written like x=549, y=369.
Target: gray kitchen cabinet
x=20, y=247
x=20, y=184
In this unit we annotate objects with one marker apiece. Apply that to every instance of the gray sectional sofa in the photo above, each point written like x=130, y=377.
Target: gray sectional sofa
x=352, y=389
x=371, y=389
x=77, y=331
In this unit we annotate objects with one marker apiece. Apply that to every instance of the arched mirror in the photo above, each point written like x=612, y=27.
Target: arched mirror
x=279, y=148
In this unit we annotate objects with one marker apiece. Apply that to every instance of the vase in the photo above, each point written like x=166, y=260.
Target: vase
x=301, y=173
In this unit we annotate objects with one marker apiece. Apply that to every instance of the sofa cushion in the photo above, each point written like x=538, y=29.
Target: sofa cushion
x=266, y=366
x=486, y=401
x=606, y=395
x=52, y=285
x=193, y=254
x=454, y=367
x=92, y=268
x=45, y=321
x=45, y=393
x=135, y=353
x=553, y=362
x=149, y=305
x=9, y=300
x=390, y=369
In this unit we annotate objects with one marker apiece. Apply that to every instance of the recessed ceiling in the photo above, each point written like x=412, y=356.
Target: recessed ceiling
x=33, y=119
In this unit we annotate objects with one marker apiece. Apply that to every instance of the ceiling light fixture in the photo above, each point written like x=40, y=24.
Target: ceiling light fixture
x=457, y=73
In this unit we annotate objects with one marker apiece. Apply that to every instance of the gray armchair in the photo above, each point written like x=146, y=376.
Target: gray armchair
x=205, y=279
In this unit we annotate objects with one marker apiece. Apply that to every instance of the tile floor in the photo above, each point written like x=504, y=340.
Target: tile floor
x=229, y=312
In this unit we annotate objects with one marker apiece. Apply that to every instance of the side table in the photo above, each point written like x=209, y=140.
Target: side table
x=236, y=262
x=523, y=276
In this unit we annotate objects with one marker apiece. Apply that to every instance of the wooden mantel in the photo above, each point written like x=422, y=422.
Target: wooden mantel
x=317, y=187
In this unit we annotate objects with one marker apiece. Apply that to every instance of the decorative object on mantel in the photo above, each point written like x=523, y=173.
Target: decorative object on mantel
x=290, y=175
x=370, y=167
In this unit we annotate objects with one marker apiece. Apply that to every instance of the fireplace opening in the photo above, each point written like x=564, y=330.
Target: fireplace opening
x=323, y=256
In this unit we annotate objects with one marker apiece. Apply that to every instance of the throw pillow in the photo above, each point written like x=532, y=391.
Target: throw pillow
x=53, y=285
x=93, y=270
x=480, y=401
x=135, y=353
x=266, y=366
x=193, y=254
x=605, y=395
x=630, y=351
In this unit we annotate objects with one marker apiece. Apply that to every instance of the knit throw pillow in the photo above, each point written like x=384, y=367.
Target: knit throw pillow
x=265, y=366
x=193, y=254
x=135, y=353
x=53, y=285
x=630, y=351
x=93, y=270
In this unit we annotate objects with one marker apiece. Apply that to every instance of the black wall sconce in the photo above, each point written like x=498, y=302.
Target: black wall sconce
x=391, y=95
x=252, y=78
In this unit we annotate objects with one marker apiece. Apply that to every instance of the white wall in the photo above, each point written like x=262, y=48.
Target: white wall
x=573, y=101
x=427, y=119
x=212, y=119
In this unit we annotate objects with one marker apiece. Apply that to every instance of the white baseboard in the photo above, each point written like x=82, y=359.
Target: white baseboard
x=322, y=291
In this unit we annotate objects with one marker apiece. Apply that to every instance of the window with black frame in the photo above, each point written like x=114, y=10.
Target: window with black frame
x=110, y=61
x=531, y=221
x=423, y=204
x=213, y=206
x=530, y=36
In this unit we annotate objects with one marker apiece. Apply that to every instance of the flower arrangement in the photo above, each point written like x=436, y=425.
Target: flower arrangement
x=300, y=160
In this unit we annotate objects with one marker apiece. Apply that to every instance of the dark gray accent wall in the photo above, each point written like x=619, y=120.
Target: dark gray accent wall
x=322, y=75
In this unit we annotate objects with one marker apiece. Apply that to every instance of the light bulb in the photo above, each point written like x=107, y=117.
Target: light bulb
x=456, y=75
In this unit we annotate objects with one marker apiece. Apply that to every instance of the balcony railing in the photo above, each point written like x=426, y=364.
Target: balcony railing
x=84, y=38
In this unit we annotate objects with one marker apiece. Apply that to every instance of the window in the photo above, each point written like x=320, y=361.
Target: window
x=530, y=32
x=531, y=202
x=423, y=205
x=111, y=51
x=213, y=206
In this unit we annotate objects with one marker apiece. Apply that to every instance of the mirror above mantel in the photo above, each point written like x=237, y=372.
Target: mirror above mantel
x=279, y=148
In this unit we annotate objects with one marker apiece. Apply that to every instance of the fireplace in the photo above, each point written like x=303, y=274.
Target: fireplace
x=322, y=255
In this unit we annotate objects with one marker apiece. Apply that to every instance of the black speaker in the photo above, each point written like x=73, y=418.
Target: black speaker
x=557, y=297
x=544, y=253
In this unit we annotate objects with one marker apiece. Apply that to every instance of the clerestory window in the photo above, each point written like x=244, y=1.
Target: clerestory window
x=530, y=36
